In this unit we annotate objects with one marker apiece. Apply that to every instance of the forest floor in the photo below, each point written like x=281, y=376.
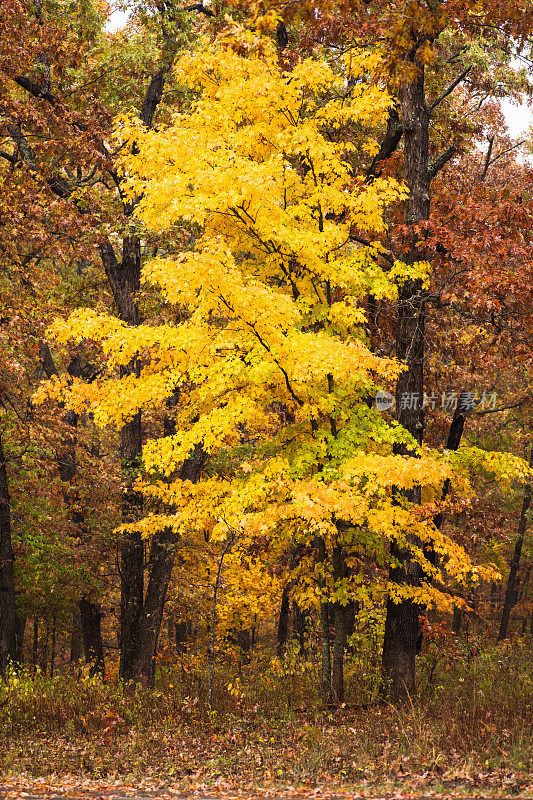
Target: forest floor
x=469, y=734
x=249, y=757
x=487, y=786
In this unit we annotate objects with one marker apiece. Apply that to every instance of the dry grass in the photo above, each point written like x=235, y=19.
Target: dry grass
x=472, y=715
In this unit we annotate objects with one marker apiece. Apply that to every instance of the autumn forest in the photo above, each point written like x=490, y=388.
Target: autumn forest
x=266, y=449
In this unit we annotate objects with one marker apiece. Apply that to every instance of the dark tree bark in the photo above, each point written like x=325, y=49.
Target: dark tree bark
x=243, y=639
x=35, y=645
x=511, y=591
x=325, y=670
x=183, y=630
x=8, y=615
x=339, y=646
x=145, y=612
x=299, y=617
x=452, y=443
x=402, y=626
x=43, y=658
x=457, y=620
x=325, y=639
x=91, y=619
x=76, y=638
x=149, y=624
x=339, y=639
x=283, y=623
x=351, y=610
x=53, y=653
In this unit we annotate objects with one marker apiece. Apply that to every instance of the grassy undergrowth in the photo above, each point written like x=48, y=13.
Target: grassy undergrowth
x=473, y=713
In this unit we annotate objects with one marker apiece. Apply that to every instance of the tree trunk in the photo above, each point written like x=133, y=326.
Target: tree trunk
x=402, y=626
x=91, y=619
x=452, y=443
x=53, y=653
x=351, y=610
x=8, y=614
x=161, y=561
x=140, y=617
x=143, y=615
x=182, y=633
x=131, y=555
x=35, y=646
x=325, y=672
x=299, y=617
x=76, y=638
x=283, y=623
x=510, y=594
x=212, y=636
x=43, y=660
x=339, y=640
x=339, y=645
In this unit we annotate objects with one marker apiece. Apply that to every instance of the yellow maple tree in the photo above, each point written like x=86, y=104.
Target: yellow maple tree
x=267, y=349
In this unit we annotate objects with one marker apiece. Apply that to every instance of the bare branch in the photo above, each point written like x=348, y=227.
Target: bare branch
x=487, y=159
x=40, y=92
x=441, y=161
x=11, y=158
x=153, y=96
x=200, y=8
x=505, y=152
x=46, y=358
x=500, y=408
x=389, y=143
x=449, y=90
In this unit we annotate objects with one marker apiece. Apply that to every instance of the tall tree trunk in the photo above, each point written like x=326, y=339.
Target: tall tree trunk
x=452, y=443
x=35, y=645
x=91, y=622
x=125, y=279
x=143, y=614
x=162, y=554
x=325, y=670
x=131, y=554
x=351, y=610
x=76, y=638
x=510, y=593
x=53, y=653
x=299, y=617
x=43, y=660
x=182, y=632
x=402, y=626
x=8, y=614
x=212, y=636
x=339, y=639
x=339, y=646
x=283, y=623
